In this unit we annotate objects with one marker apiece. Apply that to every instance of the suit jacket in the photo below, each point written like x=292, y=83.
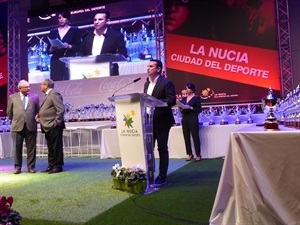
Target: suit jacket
x=113, y=43
x=195, y=102
x=16, y=112
x=52, y=111
x=164, y=90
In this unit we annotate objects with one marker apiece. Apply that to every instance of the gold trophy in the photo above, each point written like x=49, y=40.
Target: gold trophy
x=270, y=102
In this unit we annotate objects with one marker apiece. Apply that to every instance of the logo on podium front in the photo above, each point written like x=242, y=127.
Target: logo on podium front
x=129, y=129
x=128, y=119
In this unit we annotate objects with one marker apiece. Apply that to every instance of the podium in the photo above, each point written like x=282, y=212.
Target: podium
x=134, y=114
x=84, y=67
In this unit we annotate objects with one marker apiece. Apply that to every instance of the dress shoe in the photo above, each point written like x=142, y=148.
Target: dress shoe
x=198, y=158
x=31, y=171
x=189, y=158
x=47, y=170
x=55, y=170
x=159, y=181
x=17, y=171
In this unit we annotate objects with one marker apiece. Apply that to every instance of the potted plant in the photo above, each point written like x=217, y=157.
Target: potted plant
x=8, y=216
x=132, y=179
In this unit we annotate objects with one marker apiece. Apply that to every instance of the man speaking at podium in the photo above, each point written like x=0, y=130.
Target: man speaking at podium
x=103, y=40
x=163, y=89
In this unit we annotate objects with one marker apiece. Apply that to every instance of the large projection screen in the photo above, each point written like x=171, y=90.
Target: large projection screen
x=135, y=19
x=227, y=48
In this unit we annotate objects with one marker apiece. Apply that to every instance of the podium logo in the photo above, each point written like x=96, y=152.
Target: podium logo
x=128, y=119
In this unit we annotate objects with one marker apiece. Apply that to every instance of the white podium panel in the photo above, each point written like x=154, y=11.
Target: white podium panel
x=86, y=67
x=130, y=132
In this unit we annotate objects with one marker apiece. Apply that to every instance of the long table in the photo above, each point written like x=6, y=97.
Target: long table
x=260, y=180
x=79, y=139
x=214, y=141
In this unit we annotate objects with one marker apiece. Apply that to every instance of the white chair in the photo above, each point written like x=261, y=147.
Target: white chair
x=67, y=143
x=99, y=134
x=41, y=145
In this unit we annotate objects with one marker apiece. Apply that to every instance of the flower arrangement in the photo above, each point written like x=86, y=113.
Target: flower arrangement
x=8, y=216
x=129, y=179
x=131, y=175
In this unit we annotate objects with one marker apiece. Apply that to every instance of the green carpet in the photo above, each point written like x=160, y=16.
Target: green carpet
x=83, y=194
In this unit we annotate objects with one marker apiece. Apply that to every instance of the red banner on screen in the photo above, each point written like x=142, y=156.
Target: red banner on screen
x=3, y=70
x=238, y=63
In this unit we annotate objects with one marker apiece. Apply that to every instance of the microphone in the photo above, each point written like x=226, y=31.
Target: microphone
x=134, y=81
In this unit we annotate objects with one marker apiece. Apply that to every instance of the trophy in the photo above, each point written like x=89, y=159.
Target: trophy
x=80, y=114
x=249, y=112
x=270, y=102
x=68, y=108
x=112, y=111
x=97, y=110
x=211, y=113
x=177, y=116
x=73, y=115
x=224, y=113
x=237, y=112
x=200, y=116
x=87, y=113
x=42, y=53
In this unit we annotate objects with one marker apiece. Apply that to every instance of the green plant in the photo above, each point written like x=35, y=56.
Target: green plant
x=131, y=175
x=8, y=216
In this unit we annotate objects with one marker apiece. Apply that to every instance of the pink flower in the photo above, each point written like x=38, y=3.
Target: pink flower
x=5, y=205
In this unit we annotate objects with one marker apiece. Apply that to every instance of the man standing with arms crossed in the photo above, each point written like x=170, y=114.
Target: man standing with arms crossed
x=163, y=89
x=22, y=108
x=51, y=118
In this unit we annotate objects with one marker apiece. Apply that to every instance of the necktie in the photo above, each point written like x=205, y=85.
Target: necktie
x=24, y=101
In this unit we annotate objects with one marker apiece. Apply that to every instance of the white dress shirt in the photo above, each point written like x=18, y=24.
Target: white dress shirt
x=98, y=43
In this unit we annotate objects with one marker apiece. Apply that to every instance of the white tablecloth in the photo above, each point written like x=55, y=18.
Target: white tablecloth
x=260, y=181
x=214, y=141
x=5, y=145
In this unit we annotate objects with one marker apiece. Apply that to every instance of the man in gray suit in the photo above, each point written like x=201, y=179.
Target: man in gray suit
x=51, y=118
x=22, y=108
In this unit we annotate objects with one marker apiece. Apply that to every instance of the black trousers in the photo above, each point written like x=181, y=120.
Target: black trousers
x=30, y=141
x=162, y=137
x=54, y=140
x=190, y=126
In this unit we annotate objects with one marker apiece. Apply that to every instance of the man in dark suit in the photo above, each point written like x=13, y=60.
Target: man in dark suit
x=51, y=118
x=22, y=108
x=103, y=40
x=163, y=89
